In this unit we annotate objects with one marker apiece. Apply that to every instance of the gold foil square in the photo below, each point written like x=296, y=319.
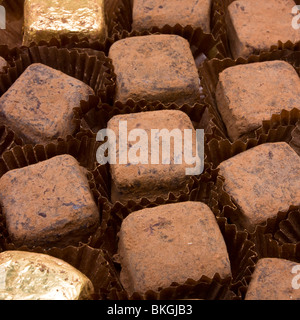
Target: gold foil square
x=35, y=276
x=47, y=19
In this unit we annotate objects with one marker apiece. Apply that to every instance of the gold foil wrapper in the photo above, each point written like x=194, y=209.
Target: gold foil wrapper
x=47, y=19
x=35, y=276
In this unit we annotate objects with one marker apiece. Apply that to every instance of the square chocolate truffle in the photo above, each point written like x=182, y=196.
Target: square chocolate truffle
x=155, y=67
x=274, y=279
x=158, y=13
x=254, y=25
x=147, y=171
x=48, y=203
x=170, y=243
x=247, y=94
x=39, y=105
x=262, y=181
x=47, y=19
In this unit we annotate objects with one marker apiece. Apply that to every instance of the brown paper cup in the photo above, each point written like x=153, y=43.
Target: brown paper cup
x=209, y=76
x=241, y=256
x=277, y=237
x=200, y=43
x=8, y=139
x=199, y=189
x=268, y=247
x=202, y=116
x=278, y=128
x=98, y=118
x=94, y=70
x=19, y=157
x=203, y=289
x=217, y=26
x=126, y=7
x=219, y=29
x=289, y=228
x=95, y=264
x=295, y=141
x=222, y=203
x=121, y=11
x=11, y=54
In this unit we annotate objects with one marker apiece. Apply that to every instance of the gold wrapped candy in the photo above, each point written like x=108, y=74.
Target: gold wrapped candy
x=47, y=19
x=35, y=276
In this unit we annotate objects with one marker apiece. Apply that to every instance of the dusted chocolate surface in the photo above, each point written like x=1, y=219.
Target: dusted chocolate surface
x=39, y=105
x=257, y=25
x=147, y=14
x=47, y=19
x=155, y=67
x=170, y=243
x=273, y=280
x=248, y=94
x=48, y=203
x=262, y=181
x=35, y=276
x=147, y=179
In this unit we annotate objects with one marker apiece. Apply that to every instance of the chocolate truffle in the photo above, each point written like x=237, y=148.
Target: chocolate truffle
x=155, y=67
x=3, y=64
x=39, y=105
x=170, y=243
x=36, y=276
x=158, y=13
x=274, y=279
x=262, y=181
x=47, y=19
x=254, y=26
x=48, y=203
x=152, y=174
x=247, y=94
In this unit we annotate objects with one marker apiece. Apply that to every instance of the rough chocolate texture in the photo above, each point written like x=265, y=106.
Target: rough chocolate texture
x=39, y=105
x=147, y=14
x=273, y=279
x=48, y=203
x=170, y=243
x=255, y=25
x=248, y=94
x=262, y=181
x=149, y=180
x=155, y=67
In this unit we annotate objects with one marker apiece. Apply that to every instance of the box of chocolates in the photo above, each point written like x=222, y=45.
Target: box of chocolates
x=149, y=150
